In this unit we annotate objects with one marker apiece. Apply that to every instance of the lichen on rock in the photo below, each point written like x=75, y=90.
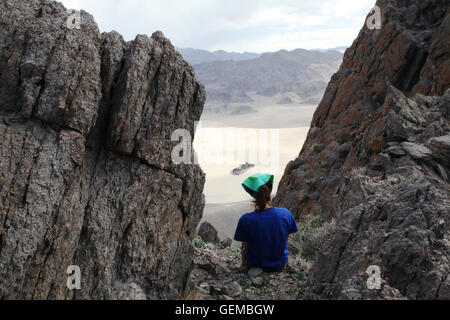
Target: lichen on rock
x=382, y=169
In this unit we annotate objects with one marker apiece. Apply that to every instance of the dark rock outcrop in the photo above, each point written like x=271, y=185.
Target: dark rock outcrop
x=208, y=233
x=86, y=176
x=376, y=161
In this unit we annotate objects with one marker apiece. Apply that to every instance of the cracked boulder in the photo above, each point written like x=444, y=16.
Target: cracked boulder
x=86, y=176
x=441, y=148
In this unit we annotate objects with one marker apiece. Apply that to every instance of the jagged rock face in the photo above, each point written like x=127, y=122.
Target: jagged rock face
x=86, y=176
x=376, y=160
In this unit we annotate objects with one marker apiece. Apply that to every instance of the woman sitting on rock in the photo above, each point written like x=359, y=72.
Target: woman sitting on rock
x=265, y=231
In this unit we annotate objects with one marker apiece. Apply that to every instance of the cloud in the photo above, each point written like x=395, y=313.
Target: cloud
x=250, y=25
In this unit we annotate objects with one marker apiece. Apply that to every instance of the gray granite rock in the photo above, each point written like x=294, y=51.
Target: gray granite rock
x=258, y=281
x=440, y=146
x=85, y=173
x=255, y=272
x=208, y=233
x=234, y=289
x=417, y=151
x=396, y=151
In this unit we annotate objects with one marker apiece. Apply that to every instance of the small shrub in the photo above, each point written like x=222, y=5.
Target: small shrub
x=292, y=291
x=300, y=277
x=199, y=242
x=278, y=296
x=244, y=281
x=311, y=223
x=190, y=295
x=234, y=250
x=263, y=290
x=312, y=233
x=266, y=281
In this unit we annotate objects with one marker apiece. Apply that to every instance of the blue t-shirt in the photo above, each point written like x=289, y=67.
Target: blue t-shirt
x=266, y=233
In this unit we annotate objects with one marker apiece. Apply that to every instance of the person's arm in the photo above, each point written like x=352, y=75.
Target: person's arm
x=244, y=245
x=241, y=231
x=292, y=224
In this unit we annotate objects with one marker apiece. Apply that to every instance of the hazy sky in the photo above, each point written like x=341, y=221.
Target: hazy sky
x=234, y=25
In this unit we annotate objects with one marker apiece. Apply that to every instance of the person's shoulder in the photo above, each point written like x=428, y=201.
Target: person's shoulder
x=248, y=215
x=283, y=211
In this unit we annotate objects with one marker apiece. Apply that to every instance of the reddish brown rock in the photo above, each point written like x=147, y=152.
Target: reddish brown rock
x=384, y=114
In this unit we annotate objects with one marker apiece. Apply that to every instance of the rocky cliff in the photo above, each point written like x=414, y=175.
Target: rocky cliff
x=86, y=176
x=377, y=161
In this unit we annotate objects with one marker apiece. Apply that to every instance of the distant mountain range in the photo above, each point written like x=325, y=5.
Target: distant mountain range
x=197, y=56
x=284, y=77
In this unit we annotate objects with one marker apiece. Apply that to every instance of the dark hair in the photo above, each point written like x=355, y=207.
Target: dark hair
x=262, y=198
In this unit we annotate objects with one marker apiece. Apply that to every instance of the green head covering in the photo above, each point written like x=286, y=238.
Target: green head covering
x=253, y=183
